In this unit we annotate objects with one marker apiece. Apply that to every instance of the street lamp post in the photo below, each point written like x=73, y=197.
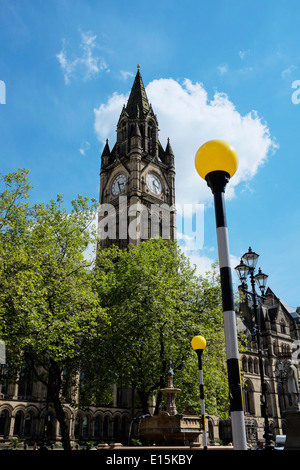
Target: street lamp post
x=247, y=267
x=199, y=344
x=216, y=161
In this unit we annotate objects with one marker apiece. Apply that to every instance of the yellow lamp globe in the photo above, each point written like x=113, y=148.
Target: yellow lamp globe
x=216, y=155
x=198, y=342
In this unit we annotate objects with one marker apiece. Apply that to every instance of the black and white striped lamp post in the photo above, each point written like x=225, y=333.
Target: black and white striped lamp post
x=216, y=161
x=198, y=344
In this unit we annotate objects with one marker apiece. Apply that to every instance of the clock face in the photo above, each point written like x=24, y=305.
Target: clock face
x=153, y=183
x=118, y=184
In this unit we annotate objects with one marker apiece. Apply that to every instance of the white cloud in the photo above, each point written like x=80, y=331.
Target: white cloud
x=87, y=64
x=202, y=263
x=287, y=72
x=106, y=117
x=84, y=147
x=243, y=54
x=223, y=69
x=190, y=118
x=125, y=75
x=67, y=66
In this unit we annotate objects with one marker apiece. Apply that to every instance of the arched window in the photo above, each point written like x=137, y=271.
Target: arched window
x=25, y=383
x=85, y=426
x=28, y=424
x=66, y=385
x=248, y=398
x=97, y=426
x=19, y=418
x=81, y=427
x=267, y=367
x=125, y=429
x=269, y=401
x=123, y=131
x=3, y=379
x=282, y=327
x=106, y=427
x=49, y=424
x=4, y=423
x=77, y=426
x=117, y=428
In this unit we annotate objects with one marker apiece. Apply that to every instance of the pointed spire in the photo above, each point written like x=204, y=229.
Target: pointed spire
x=169, y=155
x=137, y=101
x=106, y=150
x=105, y=155
x=169, y=150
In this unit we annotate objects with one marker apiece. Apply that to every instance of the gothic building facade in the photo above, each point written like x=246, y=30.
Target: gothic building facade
x=279, y=327
x=137, y=178
x=137, y=201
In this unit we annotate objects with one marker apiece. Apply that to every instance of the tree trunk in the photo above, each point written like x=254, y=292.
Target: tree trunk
x=65, y=435
x=54, y=393
x=144, y=402
x=158, y=403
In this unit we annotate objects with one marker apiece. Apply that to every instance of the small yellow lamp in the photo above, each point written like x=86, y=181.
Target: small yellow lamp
x=199, y=344
x=216, y=155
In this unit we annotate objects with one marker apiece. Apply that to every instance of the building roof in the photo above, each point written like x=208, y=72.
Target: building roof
x=273, y=309
x=138, y=104
x=291, y=311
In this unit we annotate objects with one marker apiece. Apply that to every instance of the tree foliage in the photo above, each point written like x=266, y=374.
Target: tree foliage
x=156, y=304
x=49, y=311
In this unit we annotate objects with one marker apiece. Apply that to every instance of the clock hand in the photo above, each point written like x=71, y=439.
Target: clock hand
x=156, y=185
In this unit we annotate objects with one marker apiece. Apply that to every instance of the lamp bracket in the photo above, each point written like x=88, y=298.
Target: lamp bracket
x=217, y=180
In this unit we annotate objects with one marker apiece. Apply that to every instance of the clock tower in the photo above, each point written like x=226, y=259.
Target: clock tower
x=137, y=178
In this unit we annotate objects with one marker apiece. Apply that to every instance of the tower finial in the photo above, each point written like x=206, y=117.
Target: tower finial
x=138, y=66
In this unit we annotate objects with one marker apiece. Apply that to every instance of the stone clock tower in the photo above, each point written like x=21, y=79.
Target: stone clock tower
x=137, y=178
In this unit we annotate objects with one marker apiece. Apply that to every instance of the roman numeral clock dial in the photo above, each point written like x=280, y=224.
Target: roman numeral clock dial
x=118, y=184
x=153, y=183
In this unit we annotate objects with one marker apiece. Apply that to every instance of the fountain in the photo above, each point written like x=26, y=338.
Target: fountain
x=168, y=427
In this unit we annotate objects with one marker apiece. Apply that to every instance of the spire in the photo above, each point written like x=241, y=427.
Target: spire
x=106, y=151
x=105, y=155
x=169, y=155
x=137, y=101
x=169, y=150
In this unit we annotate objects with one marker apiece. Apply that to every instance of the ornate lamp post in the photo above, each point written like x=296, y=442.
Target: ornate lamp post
x=216, y=161
x=247, y=267
x=198, y=344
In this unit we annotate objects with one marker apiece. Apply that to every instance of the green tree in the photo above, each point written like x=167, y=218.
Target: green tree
x=156, y=304
x=49, y=310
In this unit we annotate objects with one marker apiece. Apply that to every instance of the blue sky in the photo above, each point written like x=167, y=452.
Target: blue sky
x=218, y=69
